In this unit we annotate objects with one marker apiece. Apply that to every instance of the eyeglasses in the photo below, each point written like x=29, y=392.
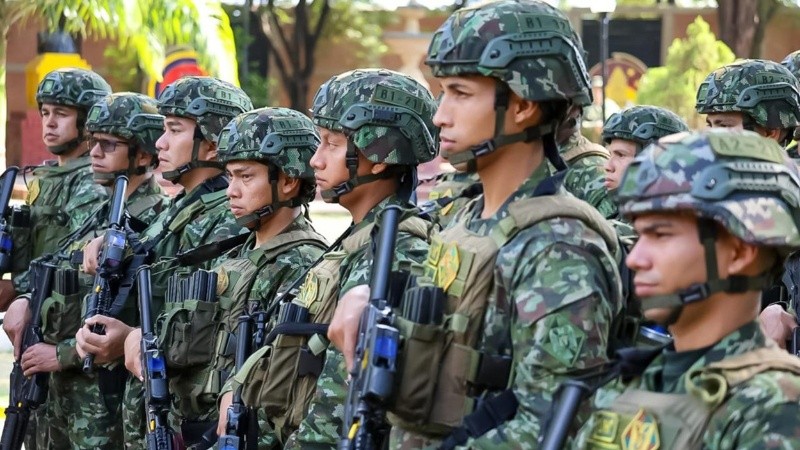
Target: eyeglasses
x=106, y=146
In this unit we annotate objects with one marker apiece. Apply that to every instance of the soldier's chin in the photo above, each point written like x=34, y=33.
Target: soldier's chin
x=460, y=167
x=660, y=316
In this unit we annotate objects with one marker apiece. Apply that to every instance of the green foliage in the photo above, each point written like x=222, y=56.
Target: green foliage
x=123, y=68
x=689, y=61
x=259, y=89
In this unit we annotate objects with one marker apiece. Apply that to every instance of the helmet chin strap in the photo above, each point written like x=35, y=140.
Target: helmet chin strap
x=106, y=179
x=351, y=160
x=252, y=221
x=175, y=175
x=734, y=284
x=546, y=132
x=59, y=150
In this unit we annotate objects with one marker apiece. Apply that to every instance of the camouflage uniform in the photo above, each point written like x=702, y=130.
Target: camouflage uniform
x=251, y=279
x=451, y=192
x=79, y=414
x=61, y=198
x=402, y=143
x=792, y=62
x=584, y=178
x=536, y=294
x=193, y=218
x=765, y=92
x=741, y=392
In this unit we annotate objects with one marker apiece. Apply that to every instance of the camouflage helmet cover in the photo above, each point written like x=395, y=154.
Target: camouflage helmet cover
x=128, y=115
x=209, y=101
x=388, y=115
x=792, y=62
x=528, y=44
x=642, y=124
x=739, y=179
x=764, y=90
x=78, y=88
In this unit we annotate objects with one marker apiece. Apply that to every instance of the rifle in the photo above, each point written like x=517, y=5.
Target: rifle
x=236, y=430
x=27, y=394
x=154, y=369
x=372, y=375
x=109, y=267
x=6, y=243
x=791, y=280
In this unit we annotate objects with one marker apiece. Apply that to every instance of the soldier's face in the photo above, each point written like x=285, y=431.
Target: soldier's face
x=175, y=144
x=59, y=124
x=622, y=153
x=249, y=187
x=109, y=153
x=734, y=120
x=667, y=258
x=465, y=114
x=329, y=161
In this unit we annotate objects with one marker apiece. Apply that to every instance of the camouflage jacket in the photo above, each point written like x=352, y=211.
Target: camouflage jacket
x=450, y=185
x=585, y=173
x=554, y=301
x=760, y=412
x=61, y=199
x=322, y=425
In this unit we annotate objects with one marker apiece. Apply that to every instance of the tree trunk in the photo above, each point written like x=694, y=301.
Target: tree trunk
x=738, y=20
x=766, y=11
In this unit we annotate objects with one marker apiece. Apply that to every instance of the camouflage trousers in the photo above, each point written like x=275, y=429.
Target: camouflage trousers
x=34, y=439
x=322, y=425
x=78, y=415
x=133, y=415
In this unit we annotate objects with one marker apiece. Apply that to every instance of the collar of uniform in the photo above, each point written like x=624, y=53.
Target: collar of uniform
x=747, y=338
x=299, y=223
x=371, y=216
x=525, y=190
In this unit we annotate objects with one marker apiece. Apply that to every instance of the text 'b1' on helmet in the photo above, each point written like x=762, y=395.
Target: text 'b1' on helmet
x=527, y=44
x=386, y=114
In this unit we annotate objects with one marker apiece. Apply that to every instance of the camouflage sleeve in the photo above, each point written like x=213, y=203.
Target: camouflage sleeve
x=213, y=225
x=408, y=249
x=562, y=314
x=67, y=354
x=759, y=417
x=85, y=199
x=293, y=265
x=585, y=181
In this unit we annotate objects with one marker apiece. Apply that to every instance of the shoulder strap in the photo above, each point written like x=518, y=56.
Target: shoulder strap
x=584, y=148
x=279, y=243
x=143, y=204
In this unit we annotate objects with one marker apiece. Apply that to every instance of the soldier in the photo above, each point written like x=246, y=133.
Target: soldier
x=792, y=62
x=365, y=162
x=195, y=109
x=715, y=224
x=627, y=132
x=753, y=94
x=266, y=153
x=61, y=195
x=528, y=272
x=124, y=128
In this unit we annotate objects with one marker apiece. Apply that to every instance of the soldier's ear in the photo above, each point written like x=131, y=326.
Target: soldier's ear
x=378, y=168
x=742, y=258
x=288, y=187
x=211, y=151
x=525, y=113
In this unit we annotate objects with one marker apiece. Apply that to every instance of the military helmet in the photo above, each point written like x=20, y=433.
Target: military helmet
x=642, y=124
x=386, y=114
x=764, y=90
x=737, y=178
x=792, y=62
x=78, y=88
x=209, y=101
x=527, y=44
x=281, y=137
x=128, y=115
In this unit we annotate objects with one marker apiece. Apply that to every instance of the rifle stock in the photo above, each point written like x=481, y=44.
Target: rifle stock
x=372, y=375
x=27, y=394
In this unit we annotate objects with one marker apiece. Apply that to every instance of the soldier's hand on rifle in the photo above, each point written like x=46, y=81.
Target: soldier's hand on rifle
x=224, y=402
x=343, y=330
x=40, y=358
x=91, y=254
x=7, y=294
x=15, y=321
x=105, y=347
x=777, y=324
x=133, y=353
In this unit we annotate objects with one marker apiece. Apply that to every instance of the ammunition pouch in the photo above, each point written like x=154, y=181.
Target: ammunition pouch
x=187, y=330
x=22, y=250
x=61, y=317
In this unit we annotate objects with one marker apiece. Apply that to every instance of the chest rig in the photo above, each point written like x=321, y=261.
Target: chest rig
x=435, y=396
x=645, y=419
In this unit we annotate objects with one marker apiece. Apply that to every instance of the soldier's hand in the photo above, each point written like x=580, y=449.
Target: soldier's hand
x=105, y=347
x=133, y=353
x=15, y=321
x=7, y=294
x=90, y=255
x=40, y=358
x=343, y=330
x=224, y=402
x=777, y=324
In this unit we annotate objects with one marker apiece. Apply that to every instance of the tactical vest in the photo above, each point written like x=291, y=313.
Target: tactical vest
x=583, y=149
x=440, y=369
x=643, y=419
x=282, y=377
x=199, y=338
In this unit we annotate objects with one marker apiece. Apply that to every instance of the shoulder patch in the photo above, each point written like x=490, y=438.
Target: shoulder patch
x=564, y=339
x=33, y=191
x=222, y=280
x=641, y=433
